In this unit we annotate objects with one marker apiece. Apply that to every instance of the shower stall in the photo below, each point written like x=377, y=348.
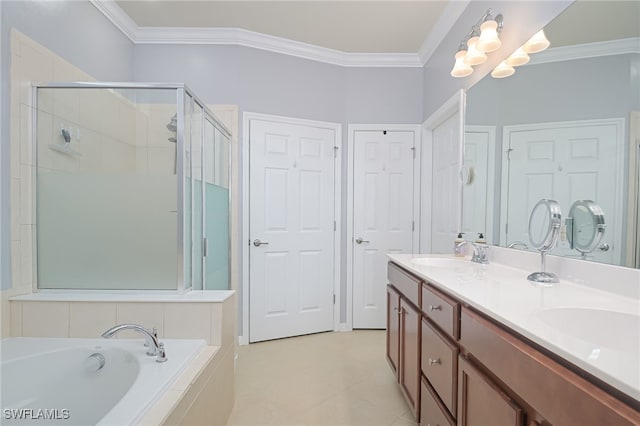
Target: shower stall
x=132, y=188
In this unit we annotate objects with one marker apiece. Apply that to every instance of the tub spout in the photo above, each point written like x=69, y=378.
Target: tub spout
x=152, y=340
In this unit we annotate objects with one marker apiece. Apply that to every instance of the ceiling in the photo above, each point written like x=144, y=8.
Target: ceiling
x=360, y=26
x=346, y=26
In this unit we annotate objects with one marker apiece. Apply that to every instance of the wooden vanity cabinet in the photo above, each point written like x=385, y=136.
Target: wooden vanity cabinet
x=457, y=366
x=393, y=329
x=403, y=333
x=410, y=355
x=482, y=402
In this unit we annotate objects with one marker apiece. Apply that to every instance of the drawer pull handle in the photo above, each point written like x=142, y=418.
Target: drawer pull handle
x=397, y=311
x=434, y=361
x=435, y=308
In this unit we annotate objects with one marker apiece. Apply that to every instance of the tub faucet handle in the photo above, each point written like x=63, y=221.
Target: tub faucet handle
x=162, y=354
x=154, y=331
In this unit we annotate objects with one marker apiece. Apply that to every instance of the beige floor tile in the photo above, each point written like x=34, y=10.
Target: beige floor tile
x=321, y=379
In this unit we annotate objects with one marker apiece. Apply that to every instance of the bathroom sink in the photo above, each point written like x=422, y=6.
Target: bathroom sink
x=441, y=262
x=614, y=330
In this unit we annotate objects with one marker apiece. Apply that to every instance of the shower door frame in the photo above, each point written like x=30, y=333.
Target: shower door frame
x=182, y=92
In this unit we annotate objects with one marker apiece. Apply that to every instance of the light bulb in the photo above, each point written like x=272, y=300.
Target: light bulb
x=517, y=58
x=537, y=43
x=489, y=41
x=460, y=69
x=502, y=70
x=474, y=55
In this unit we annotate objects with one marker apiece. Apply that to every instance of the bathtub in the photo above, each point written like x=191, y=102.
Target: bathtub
x=85, y=381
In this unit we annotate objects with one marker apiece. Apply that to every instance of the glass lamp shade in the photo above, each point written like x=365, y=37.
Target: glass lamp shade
x=537, y=43
x=502, y=70
x=461, y=69
x=517, y=58
x=489, y=41
x=474, y=55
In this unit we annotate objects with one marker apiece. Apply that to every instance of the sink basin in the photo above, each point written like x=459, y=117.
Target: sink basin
x=614, y=330
x=441, y=262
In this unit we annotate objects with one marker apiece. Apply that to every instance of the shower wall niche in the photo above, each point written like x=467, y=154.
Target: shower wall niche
x=132, y=188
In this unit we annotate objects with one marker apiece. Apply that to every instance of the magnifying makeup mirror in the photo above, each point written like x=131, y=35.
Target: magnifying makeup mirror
x=585, y=227
x=544, y=228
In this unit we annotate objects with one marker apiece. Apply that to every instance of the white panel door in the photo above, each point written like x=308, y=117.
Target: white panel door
x=447, y=189
x=291, y=221
x=382, y=216
x=564, y=164
x=475, y=200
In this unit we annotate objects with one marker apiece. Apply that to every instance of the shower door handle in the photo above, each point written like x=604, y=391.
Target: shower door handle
x=259, y=243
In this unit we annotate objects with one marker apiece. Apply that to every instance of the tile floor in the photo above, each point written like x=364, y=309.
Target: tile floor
x=323, y=379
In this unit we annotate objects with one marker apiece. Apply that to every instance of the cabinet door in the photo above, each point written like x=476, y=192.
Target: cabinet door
x=481, y=402
x=410, y=355
x=393, y=329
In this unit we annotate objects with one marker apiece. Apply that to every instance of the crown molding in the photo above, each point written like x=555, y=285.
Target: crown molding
x=449, y=17
x=587, y=50
x=241, y=37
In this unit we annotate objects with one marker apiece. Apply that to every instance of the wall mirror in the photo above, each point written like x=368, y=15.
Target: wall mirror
x=560, y=128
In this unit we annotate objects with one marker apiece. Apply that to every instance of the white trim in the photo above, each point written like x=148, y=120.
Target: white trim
x=491, y=175
x=451, y=14
x=351, y=130
x=337, y=128
x=241, y=37
x=118, y=17
x=633, y=210
x=619, y=123
x=455, y=104
x=587, y=50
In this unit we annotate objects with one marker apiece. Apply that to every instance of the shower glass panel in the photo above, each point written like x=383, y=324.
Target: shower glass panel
x=120, y=203
x=217, y=207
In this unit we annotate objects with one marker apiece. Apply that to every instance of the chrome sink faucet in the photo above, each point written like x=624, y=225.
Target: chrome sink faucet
x=155, y=348
x=480, y=251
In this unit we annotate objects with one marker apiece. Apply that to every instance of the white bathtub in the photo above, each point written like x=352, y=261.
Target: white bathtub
x=60, y=381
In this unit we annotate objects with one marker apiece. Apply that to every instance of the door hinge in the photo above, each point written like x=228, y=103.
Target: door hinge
x=413, y=225
x=335, y=152
x=335, y=225
x=205, y=247
x=334, y=299
x=413, y=149
x=506, y=228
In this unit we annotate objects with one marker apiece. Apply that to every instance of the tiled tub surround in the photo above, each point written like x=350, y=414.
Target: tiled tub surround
x=592, y=341
x=203, y=394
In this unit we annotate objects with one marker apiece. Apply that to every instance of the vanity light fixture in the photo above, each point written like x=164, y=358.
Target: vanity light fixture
x=483, y=38
x=474, y=56
x=537, y=43
x=489, y=30
x=461, y=69
x=502, y=70
x=517, y=58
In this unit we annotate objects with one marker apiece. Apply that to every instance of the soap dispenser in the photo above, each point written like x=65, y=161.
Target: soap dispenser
x=481, y=239
x=458, y=247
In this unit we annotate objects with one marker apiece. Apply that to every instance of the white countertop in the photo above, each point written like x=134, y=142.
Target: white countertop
x=596, y=330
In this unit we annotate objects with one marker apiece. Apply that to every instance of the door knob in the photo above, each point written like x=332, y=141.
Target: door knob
x=605, y=247
x=259, y=243
x=359, y=240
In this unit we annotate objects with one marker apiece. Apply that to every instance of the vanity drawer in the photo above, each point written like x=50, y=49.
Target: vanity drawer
x=442, y=310
x=431, y=412
x=405, y=283
x=439, y=364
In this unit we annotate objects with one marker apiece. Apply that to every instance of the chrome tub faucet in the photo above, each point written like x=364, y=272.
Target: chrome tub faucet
x=155, y=347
